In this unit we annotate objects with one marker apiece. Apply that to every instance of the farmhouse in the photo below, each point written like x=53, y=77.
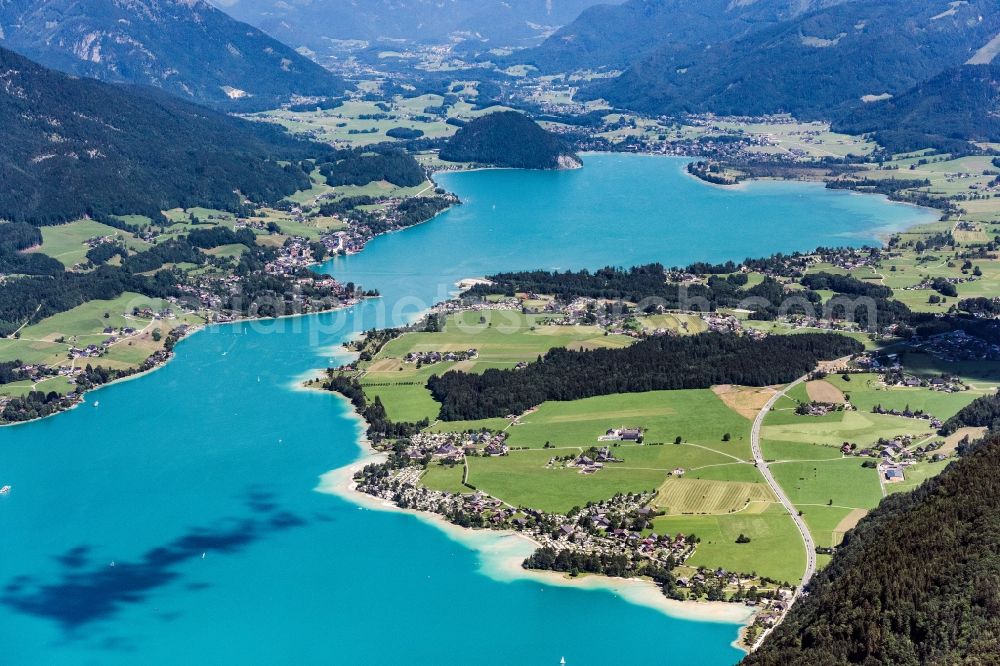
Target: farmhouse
x=622, y=435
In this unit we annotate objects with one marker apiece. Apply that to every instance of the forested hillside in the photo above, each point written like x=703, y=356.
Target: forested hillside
x=509, y=139
x=821, y=64
x=617, y=35
x=654, y=364
x=187, y=47
x=982, y=413
x=916, y=582
x=946, y=112
x=76, y=146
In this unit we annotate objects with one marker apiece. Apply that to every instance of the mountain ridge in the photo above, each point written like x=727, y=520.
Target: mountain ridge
x=315, y=23
x=75, y=147
x=186, y=47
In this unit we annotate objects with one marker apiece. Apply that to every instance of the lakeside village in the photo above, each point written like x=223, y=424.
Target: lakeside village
x=283, y=286
x=611, y=538
x=891, y=457
x=364, y=218
x=280, y=285
x=714, y=138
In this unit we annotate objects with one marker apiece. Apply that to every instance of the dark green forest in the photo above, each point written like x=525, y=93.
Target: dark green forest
x=817, y=65
x=946, y=113
x=981, y=413
x=648, y=287
x=361, y=167
x=506, y=139
x=659, y=363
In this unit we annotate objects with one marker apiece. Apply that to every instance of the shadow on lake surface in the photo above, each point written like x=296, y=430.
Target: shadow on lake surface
x=84, y=591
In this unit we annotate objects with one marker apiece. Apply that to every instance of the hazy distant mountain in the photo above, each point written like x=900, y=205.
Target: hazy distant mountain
x=819, y=64
x=74, y=146
x=960, y=105
x=187, y=47
x=313, y=23
x=617, y=35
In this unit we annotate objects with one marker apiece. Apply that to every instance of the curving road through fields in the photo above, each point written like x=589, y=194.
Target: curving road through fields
x=779, y=493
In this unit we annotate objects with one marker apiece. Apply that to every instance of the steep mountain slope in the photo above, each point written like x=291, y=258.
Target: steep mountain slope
x=186, y=47
x=79, y=146
x=509, y=139
x=313, y=23
x=818, y=65
x=616, y=36
x=960, y=105
x=916, y=582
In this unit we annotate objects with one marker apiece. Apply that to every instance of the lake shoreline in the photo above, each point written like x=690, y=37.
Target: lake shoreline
x=501, y=552
x=881, y=235
x=191, y=331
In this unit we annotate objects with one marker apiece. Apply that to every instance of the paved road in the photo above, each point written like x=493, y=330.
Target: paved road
x=762, y=466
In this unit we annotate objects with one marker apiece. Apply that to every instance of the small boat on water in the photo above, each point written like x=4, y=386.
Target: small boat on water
x=4, y=490
x=97, y=403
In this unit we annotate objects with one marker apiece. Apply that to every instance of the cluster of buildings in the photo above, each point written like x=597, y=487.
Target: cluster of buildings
x=720, y=323
x=892, y=457
x=815, y=408
x=622, y=435
x=222, y=294
x=591, y=461
x=453, y=447
x=908, y=413
x=37, y=372
x=928, y=284
x=958, y=346
x=431, y=357
x=95, y=241
x=293, y=256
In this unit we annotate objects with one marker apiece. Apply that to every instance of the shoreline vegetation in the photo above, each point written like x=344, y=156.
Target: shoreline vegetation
x=714, y=173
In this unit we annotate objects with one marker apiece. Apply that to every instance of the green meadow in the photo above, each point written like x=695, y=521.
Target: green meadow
x=866, y=392
x=502, y=338
x=775, y=549
x=844, y=481
x=66, y=242
x=829, y=523
x=447, y=478
x=711, y=466
x=698, y=416
x=524, y=478
x=861, y=428
x=84, y=325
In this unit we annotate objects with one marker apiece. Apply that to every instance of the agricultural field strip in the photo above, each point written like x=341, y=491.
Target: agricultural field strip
x=581, y=449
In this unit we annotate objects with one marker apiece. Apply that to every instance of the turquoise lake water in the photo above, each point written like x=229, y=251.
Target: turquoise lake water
x=198, y=481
